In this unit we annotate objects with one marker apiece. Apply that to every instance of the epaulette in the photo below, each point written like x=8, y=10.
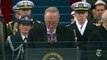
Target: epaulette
x=35, y=21
x=12, y=27
x=73, y=22
x=38, y=21
x=32, y=20
x=96, y=24
x=15, y=28
x=70, y=23
x=67, y=25
x=9, y=24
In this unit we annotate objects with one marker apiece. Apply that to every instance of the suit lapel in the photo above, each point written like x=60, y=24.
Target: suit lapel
x=44, y=38
x=58, y=30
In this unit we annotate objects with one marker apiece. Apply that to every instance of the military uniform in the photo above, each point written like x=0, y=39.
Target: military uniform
x=16, y=44
x=12, y=28
x=81, y=32
x=96, y=20
x=14, y=47
x=12, y=25
x=82, y=38
x=97, y=44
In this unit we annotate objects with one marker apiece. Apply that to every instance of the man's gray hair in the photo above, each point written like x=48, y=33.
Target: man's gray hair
x=104, y=16
x=52, y=9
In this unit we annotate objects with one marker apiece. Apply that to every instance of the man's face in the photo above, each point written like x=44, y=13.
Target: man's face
x=81, y=16
x=24, y=28
x=99, y=11
x=51, y=19
x=24, y=12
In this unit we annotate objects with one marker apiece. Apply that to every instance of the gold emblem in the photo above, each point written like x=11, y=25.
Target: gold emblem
x=25, y=3
x=81, y=5
x=52, y=56
x=26, y=18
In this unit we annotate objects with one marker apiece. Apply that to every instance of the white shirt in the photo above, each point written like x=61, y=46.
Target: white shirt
x=81, y=27
x=23, y=37
x=48, y=32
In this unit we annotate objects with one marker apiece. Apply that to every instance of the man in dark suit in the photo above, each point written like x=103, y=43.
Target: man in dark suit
x=17, y=43
x=81, y=28
x=98, y=41
x=52, y=32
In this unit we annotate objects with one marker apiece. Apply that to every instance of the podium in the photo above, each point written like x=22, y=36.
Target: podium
x=52, y=53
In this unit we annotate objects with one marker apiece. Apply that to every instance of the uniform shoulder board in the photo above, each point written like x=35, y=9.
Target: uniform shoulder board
x=96, y=24
x=32, y=20
x=68, y=25
x=38, y=21
x=9, y=24
x=72, y=22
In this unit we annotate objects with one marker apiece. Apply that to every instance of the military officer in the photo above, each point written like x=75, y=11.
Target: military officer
x=81, y=28
x=16, y=43
x=12, y=25
x=21, y=9
x=25, y=7
x=98, y=9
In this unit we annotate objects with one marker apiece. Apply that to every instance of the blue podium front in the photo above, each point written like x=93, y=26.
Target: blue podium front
x=52, y=54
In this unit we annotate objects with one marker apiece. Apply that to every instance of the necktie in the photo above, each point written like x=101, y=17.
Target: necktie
x=81, y=30
x=51, y=36
x=81, y=27
x=25, y=40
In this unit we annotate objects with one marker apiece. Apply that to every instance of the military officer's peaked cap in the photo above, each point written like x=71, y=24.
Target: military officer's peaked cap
x=25, y=4
x=84, y=6
x=14, y=8
x=26, y=20
x=100, y=2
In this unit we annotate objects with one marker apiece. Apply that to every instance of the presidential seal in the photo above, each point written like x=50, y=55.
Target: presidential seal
x=52, y=56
